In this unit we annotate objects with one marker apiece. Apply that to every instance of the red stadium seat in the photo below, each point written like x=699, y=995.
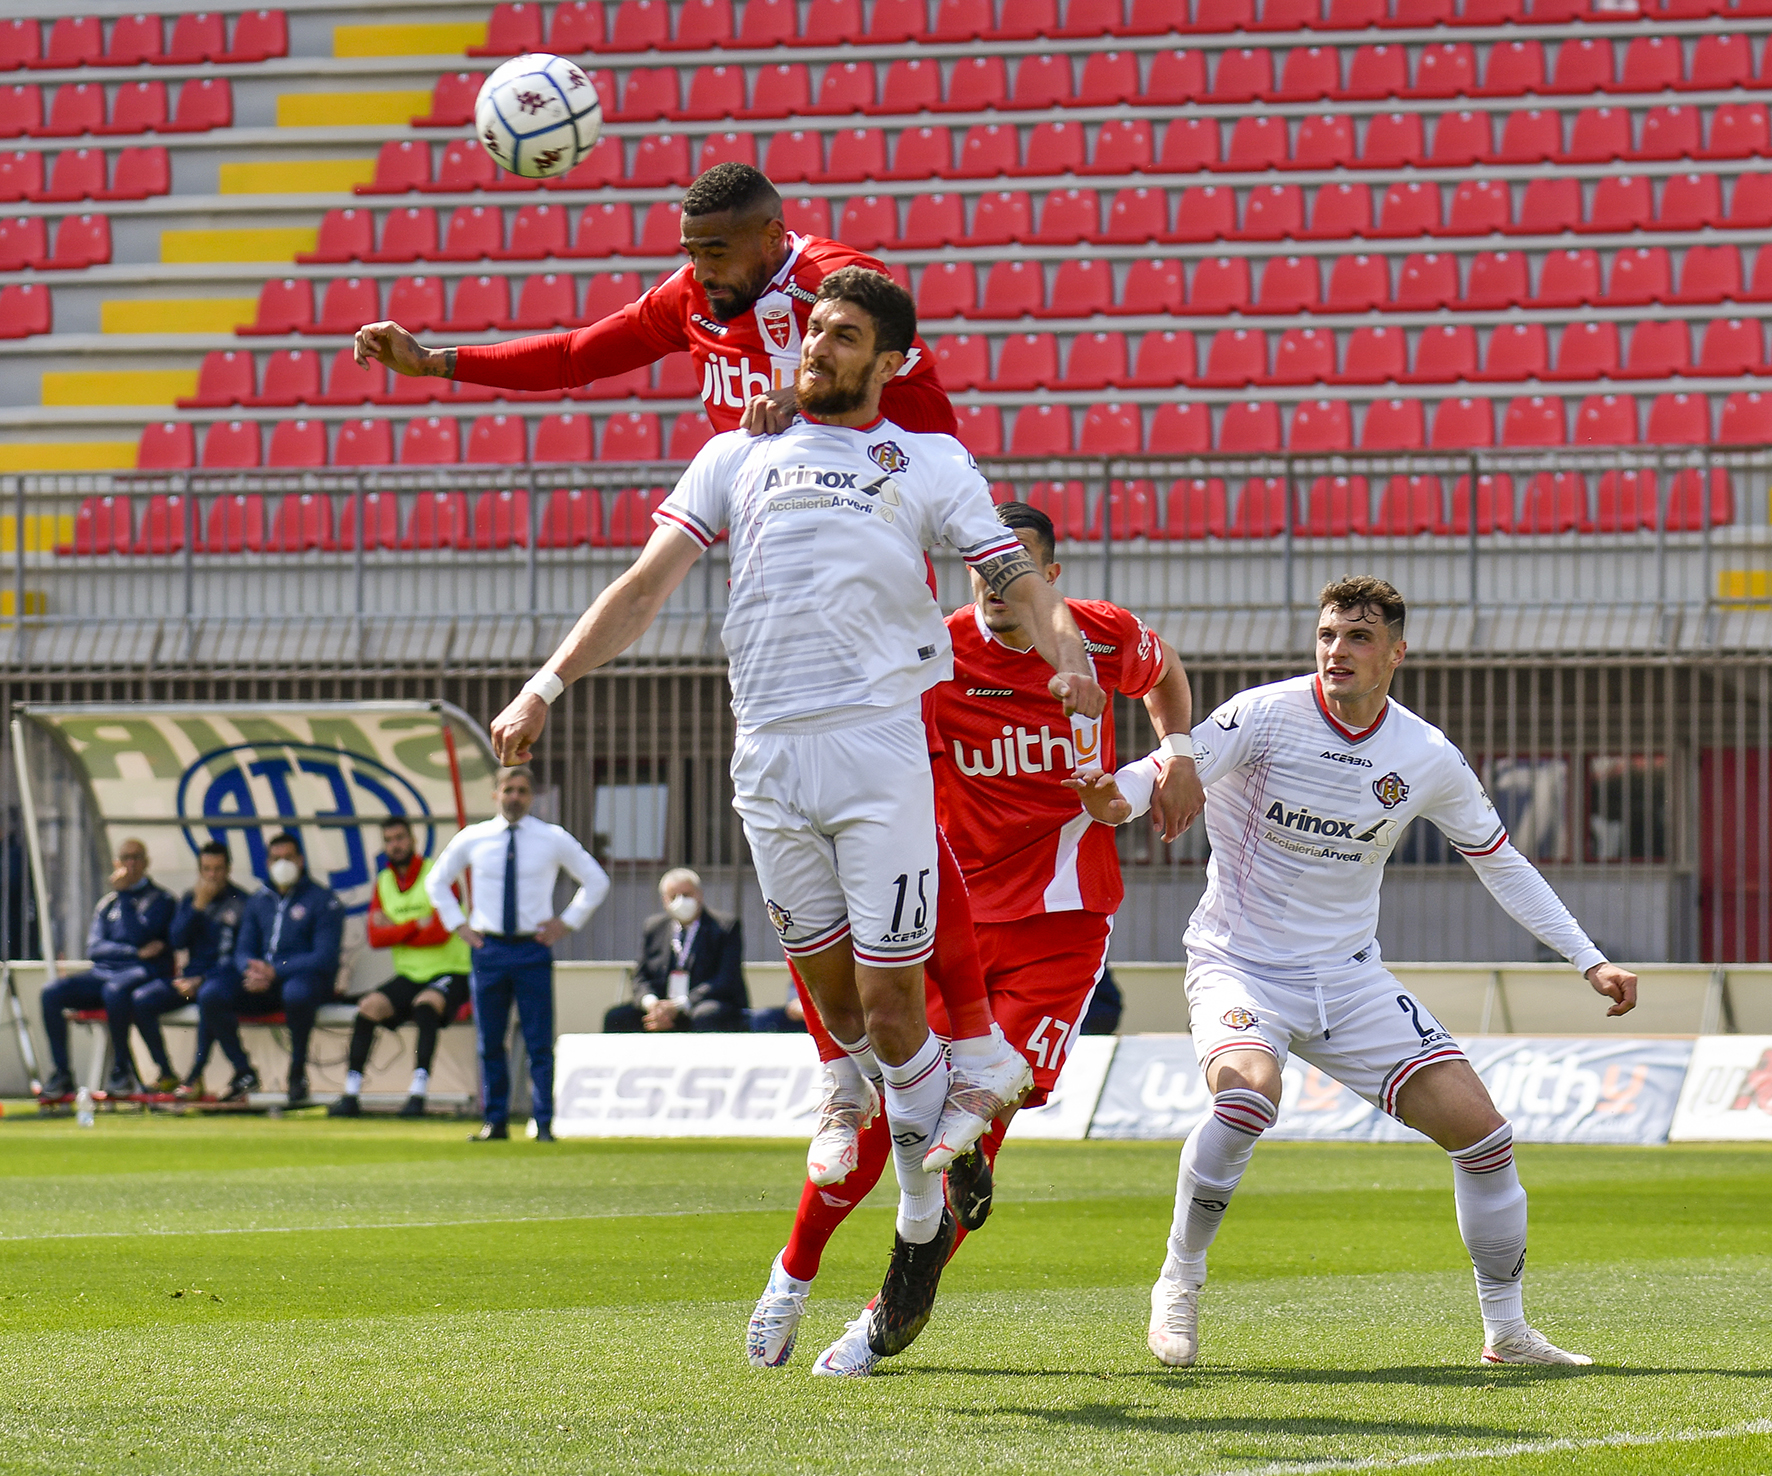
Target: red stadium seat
x=1111, y=429
x=868, y=222
x=1041, y=430
x=1497, y=280
x=344, y=235
x=1690, y=511
x=715, y=92
x=604, y=230
x=1258, y=141
x=1552, y=205
x=1042, y=82
x=1750, y=203
x=767, y=23
x=1130, y=510
x=21, y=42
x=1622, y=202
x=1309, y=73
x=224, y=378
x=1568, y=279
x=1709, y=274
x=1121, y=147
x=1393, y=141
x=167, y=445
x=948, y=289
x=80, y=241
x=1669, y=132
x=1640, y=276
x=1305, y=356
x=1514, y=68
x=1583, y=65
x=1196, y=509
x=1517, y=351
x=538, y=232
x=296, y=444
x=1180, y=430
x=1289, y=284
x=976, y=83
x=1236, y=357
x=1338, y=506
x=1341, y=211
x=1394, y=425
x=1321, y=426
x=501, y=520
x=894, y=21
x=1273, y=213
x=848, y=87
x=381, y=521
x=479, y=304
x=1606, y=420
x=349, y=303
x=1377, y=71
x=1720, y=63
x=364, y=443
x=236, y=521
x=465, y=166
x=21, y=173
x=162, y=529
x=569, y=517
x=1626, y=501
x=560, y=439
x=1445, y=354
x=21, y=109
x=410, y=234
x=1111, y=78
x=547, y=300
x=1421, y=13
x=1651, y=64
x=632, y=435
x=1679, y=420
x=1462, y=423
x=1494, y=504
x=1166, y=358
x=1189, y=145
x=1080, y=290
x=402, y=165
x=1480, y=207
x=1587, y=350
x=660, y=229
x=292, y=377
x=630, y=515
x=1445, y=69
x=1354, y=15
x=831, y=22
x=1410, y=208
x=1357, y=284
x=1000, y=218
x=604, y=165
x=663, y=159
x=76, y=108
x=1159, y=17
x=78, y=174
x=1065, y=503
x=23, y=243
x=1242, y=75
x=1691, y=202
x=1097, y=361
x=1462, y=139
x=1738, y=131
x=1375, y=355
x=987, y=151
x=856, y=154
x=1534, y=420
x=963, y=360
x=648, y=94
x=1325, y=141
x=1556, y=502
x=795, y=156
x=1531, y=136
x=259, y=35
x=438, y=520
x=454, y=95
x=1153, y=285
x=1409, y=506
x=981, y=429
x=203, y=103
x=139, y=107
x=74, y=41
x=347, y=384
x=1207, y=213
x=1220, y=285
x=726, y=148
x=1428, y=280
x=24, y=310
x=783, y=90
x=640, y=25
x=1732, y=346
x=923, y=153
x=1261, y=509
x=1250, y=427
x=139, y=173
x=1659, y=348
x=302, y=522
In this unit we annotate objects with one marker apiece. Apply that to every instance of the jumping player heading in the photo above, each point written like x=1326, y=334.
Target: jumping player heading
x=739, y=306
x=1310, y=782
x=832, y=637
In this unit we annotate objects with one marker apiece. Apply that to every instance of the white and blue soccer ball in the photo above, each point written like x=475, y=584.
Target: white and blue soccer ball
x=538, y=115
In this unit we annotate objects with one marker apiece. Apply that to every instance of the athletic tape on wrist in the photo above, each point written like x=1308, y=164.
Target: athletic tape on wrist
x=1177, y=745
x=545, y=685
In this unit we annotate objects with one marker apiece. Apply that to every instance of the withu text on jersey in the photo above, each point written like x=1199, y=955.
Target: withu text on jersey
x=1019, y=751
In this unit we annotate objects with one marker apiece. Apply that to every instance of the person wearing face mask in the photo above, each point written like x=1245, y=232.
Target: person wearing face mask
x=128, y=947
x=286, y=958
x=690, y=974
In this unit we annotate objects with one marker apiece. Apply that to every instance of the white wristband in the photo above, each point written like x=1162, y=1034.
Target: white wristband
x=545, y=685
x=1177, y=745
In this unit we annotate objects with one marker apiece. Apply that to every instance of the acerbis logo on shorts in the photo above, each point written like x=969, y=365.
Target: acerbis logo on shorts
x=1239, y=1018
x=915, y=935
x=779, y=916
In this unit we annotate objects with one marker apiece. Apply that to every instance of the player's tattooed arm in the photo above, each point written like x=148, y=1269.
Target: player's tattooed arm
x=392, y=345
x=1004, y=569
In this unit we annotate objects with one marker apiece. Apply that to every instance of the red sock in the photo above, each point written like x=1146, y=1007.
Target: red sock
x=822, y=1210
x=955, y=967
x=988, y=1144
x=828, y=1049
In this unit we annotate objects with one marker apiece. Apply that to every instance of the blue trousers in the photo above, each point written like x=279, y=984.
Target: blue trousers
x=520, y=973
x=91, y=991
x=221, y=1002
x=149, y=1003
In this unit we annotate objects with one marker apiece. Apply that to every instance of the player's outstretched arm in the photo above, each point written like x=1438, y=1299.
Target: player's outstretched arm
x=1618, y=985
x=391, y=345
x=617, y=618
x=1042, y=612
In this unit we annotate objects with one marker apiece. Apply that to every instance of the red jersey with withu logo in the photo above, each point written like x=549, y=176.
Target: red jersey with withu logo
x=1004, y=746
x=758, y=351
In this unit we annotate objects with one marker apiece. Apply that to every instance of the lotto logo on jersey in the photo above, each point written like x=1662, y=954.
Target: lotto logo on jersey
x=727, y=383
x=1018, y=752
x=1391, y=790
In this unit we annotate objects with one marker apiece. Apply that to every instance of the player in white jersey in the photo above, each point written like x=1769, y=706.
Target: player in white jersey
x=1310, y=782
x=832, y=636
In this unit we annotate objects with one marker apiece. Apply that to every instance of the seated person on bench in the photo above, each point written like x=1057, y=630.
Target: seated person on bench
x=206, y=926
x=430, y=983
x=286, y=959
x=129, y=951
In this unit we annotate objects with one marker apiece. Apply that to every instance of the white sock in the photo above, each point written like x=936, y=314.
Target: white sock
x=1492, y=1219
x=915, y=1092
x=859, y=1056
x=979, y=1050
x=1212, y=1161
x=421, y=1081
x=353, y=1083
x=780, y=1281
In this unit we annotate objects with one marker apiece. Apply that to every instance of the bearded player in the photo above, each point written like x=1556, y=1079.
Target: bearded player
x=832, y=637
x=1310, y=783
x=740, y=307
x=1039, y=878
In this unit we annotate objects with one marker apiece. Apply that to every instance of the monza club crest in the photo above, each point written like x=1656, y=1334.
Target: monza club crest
x=778, y=326
x=1391, y=790
x=889, y=457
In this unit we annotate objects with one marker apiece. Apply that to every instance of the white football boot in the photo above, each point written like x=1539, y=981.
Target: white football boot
x=978, y=1091
x=775, y=1323
x=1174, y=1334
x=1529, y=1345
x=849, y=1357
x=850, y=1104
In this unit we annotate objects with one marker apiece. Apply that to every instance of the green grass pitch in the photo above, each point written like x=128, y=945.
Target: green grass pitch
x=306, y=1296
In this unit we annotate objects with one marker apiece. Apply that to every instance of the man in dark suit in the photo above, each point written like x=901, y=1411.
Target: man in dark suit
x=690, y=975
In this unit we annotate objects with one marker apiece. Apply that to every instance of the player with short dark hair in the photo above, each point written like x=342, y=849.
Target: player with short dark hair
x=739, y=307
x=430, y=983
x=1310, y=783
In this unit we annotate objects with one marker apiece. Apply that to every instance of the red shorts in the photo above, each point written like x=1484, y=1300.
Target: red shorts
x=1039, y=973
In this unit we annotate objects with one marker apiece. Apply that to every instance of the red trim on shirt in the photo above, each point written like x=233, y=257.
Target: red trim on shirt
x=1341, y=728
x=1500, y=841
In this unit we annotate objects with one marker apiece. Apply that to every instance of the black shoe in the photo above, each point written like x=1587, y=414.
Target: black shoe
x=121, y=1084
x=415, y=1106
x=490, y=1132
x=59, y=1085
x=244, y=1084
x=544, y=1134
x=907, y=1296
x=968, y=1185
x=345, y=1107
x=298, y=1091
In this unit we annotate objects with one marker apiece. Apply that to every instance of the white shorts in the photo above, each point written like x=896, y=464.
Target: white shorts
x=842, y=828
x=1355, y=1022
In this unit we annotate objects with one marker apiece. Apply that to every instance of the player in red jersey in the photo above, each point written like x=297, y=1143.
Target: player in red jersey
x=1040, y=879
x=739, y=306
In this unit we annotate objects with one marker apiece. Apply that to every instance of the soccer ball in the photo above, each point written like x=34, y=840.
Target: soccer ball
x=538, y=115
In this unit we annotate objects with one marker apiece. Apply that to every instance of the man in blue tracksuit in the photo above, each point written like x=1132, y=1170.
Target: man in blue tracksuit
x=206, y=926
x=287, y=959
x=129, y=951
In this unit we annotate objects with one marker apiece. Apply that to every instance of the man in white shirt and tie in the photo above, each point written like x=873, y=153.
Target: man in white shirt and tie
x=513, y=861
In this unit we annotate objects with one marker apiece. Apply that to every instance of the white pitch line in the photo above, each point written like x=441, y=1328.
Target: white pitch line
x=753, y=1209
x=1498, y=1452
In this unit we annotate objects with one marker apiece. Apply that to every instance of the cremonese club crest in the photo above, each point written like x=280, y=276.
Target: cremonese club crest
x=889, y=457
x=1391, y=790
x=778, y=326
